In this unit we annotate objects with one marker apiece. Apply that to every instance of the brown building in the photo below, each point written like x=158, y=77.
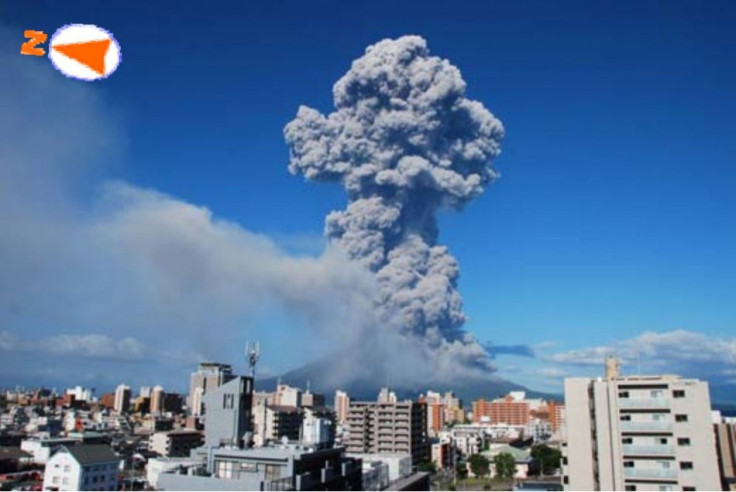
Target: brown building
x=108, y=400
x=504, y=410
x=726, y=448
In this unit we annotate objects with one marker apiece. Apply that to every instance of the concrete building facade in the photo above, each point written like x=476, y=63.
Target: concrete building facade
x=638, y=433
x=122, y=398
x=341, y=404
x=726, y=449
x=209, y=376
x=392, y=428
x=175, y=443
x=228, y=412
x=157, y=400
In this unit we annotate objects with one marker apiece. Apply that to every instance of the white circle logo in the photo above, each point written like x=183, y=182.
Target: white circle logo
x=84, y=51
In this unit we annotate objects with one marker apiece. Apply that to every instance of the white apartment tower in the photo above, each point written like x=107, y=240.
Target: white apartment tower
x=638, y=433
x=122, y=398
x=342, y=403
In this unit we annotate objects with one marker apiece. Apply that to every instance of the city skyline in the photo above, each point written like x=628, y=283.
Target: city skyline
x=165, y=213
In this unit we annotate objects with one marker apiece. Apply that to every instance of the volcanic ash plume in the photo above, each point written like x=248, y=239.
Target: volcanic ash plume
x=404, y=141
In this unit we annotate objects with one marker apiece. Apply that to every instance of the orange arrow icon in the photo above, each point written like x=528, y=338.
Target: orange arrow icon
x=90, y=53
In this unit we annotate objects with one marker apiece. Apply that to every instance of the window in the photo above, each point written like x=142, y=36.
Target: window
x=662, y=440
x=65, y=481
x=55, y=480
x=628, y=464
x=623, y=394
x=686, y=465
x=688, y=488
x=273, y=472
x=627, y=440
x=248, y=467
x=67, y=468
x=630, y=487
x=625, y=418
x=680, y=417
x=683, y=441
x=657, y=393
x=94, y=479
x=678, y=393
x=665, y=487
x=566, y=480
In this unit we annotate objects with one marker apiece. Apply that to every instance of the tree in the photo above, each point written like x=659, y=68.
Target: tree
x=546, y=459
x=505, y=465
x=479, y=465
x=427, y=466
x=461, y=471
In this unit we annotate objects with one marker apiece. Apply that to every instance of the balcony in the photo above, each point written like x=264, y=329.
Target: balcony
x=643, y=403
x=646, y=426
x=657, y=473
x=638, y=450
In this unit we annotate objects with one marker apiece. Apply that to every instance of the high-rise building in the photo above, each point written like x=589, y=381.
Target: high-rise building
x=157, y=399
x=342, y=403
x=512, y=409
x=122, y=398
x=395, y=428
x=145, y=392
x=726, y=449
x=638, y=433
x=209, y=376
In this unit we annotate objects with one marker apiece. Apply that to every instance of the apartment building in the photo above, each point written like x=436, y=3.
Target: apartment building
x=726, y=449
x=175, y=443
x=512, y=409
x=638, y=433
x=274, y=422
x=388, y=428
x=341, y=405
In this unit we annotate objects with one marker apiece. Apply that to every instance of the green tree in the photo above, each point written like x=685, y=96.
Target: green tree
x=427, y=466
x=546, y=459
x=479, y=465
x=505, y=465
x=461, y=471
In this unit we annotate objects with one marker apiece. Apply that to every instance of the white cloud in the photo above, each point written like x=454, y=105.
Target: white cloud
x=684, y=352
x=88, y=345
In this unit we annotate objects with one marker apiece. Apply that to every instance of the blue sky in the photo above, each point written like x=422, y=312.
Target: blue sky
x=615, y=213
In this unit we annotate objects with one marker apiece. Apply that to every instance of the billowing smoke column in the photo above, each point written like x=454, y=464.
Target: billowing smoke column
x=404, y=141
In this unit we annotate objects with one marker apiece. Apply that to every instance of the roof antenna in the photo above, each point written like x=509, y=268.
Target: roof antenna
x=252, y=353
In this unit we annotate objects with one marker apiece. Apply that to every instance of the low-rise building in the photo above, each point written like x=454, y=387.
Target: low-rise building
x=82, y=467
x=42, y=449
x=175, y=443
x=284, y=467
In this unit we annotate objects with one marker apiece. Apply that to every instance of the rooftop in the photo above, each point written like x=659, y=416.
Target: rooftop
x=86, y=454
x=12, y=453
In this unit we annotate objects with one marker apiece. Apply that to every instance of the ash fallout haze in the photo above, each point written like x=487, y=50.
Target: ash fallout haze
x=475, y=197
